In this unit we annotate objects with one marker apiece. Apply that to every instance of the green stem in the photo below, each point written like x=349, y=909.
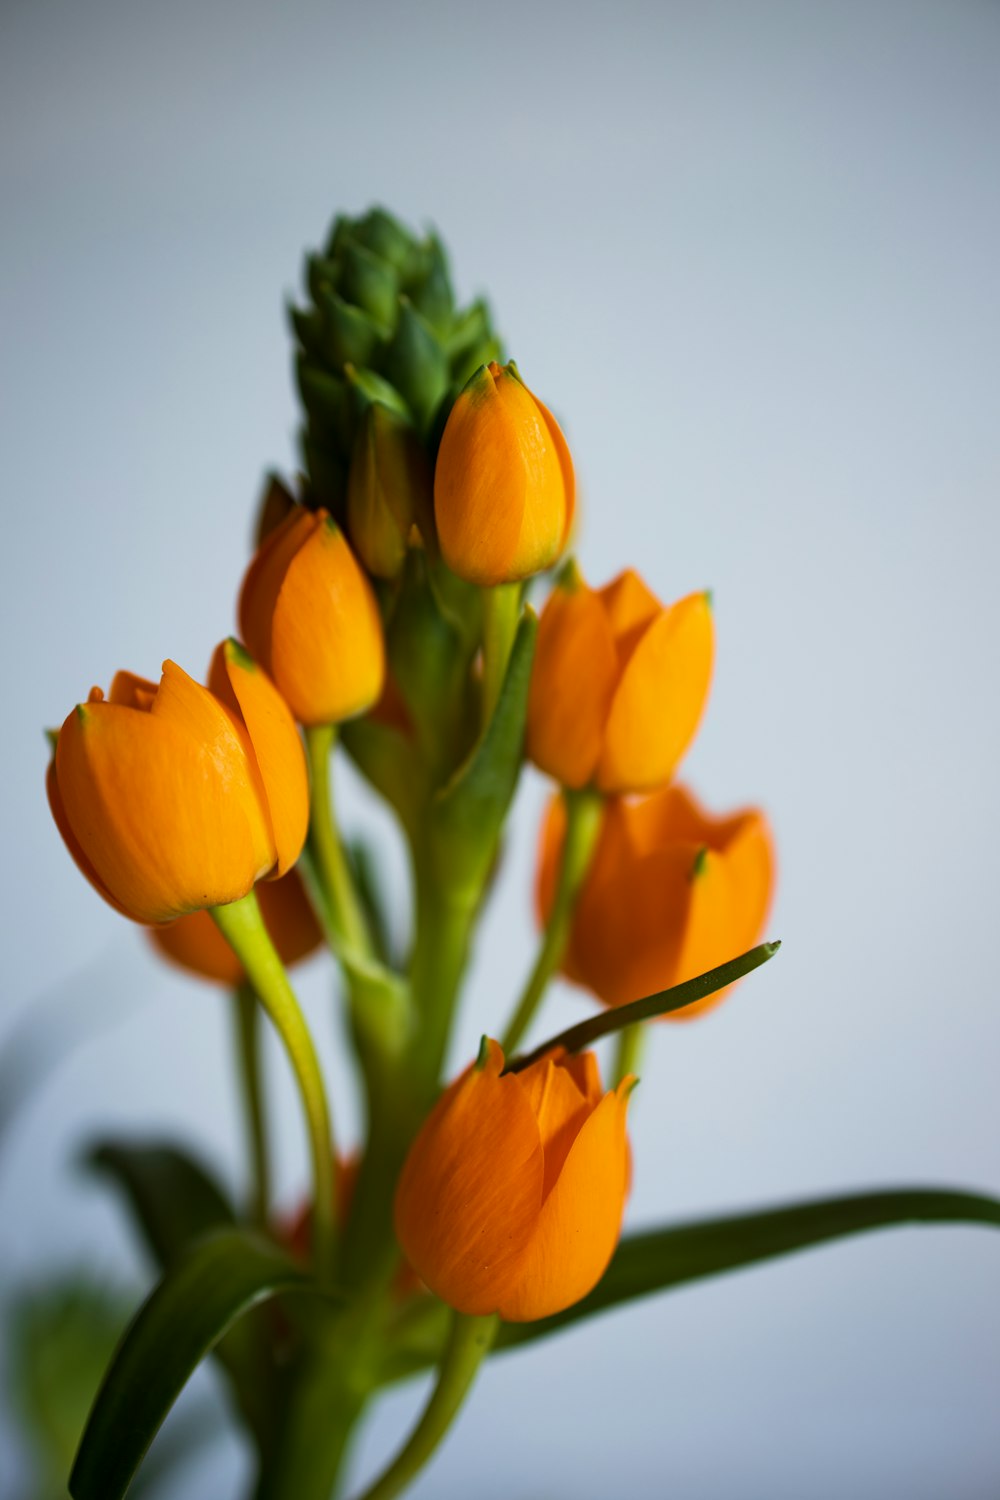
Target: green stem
x=329, y=857
x=470, y=1340
x=583, y=822
x=628, y=1055
x=444, y=920
x=246, y=1008
x=663, y=1003
x=242, y=926
x=500, y=611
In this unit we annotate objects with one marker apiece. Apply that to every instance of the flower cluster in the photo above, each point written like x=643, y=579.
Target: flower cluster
x=385, y=610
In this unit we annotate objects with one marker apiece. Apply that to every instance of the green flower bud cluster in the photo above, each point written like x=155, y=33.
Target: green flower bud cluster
x=381, y=330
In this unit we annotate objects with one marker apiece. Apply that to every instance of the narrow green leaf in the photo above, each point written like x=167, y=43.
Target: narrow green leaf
x=678, y=997
x=202, y=1295
x=172, y=1197
x=468, y=814
x=175, y=1201
x=657, y=1260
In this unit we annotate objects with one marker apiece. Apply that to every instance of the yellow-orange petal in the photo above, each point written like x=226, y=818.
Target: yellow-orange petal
x=276, y=746
x=560, y=1108
x=630, y=606
x=327, y=648
x=731, y=902
x=132, y=691
x=659, y=701
x=566, y=468
x=469, y=1194
x=169, y=821
x=480, y=480
x=71, y=841
x=580, y=1221
x=264, y=577
x=572, y=683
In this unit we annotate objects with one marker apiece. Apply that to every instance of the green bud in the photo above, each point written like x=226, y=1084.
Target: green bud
x=327, y=475
x=327, y=402
x=381, y=324
x=349, y=335
x=371, y=283
x=417, y=365
x=431, y=294
x=386, y=238
x=389, y=491
x=365, y=387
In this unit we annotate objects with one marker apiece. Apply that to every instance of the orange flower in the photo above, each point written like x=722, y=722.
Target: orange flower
x=503, y=484
x=176, y=796
x=195, y=943
x=308, y=614
x=619, y=684
x=671, y=892
x=511, y=1198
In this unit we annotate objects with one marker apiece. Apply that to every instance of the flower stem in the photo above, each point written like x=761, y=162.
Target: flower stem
x=470, y=1340
x=500, y=611
x=245, y=1011
x=628, y=1054
x=242, y=926
x=583, y=821
x=324, y=838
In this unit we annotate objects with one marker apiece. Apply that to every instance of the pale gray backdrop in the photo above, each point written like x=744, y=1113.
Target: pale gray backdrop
x=749, y=253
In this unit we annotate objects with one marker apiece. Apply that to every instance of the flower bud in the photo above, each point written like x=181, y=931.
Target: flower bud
x=176, y=796
x=670, y=893
x=618, y=685
x=195, y=943
x=308, y=614
x=388, y=491
x=503, y=486
x=511, y=1198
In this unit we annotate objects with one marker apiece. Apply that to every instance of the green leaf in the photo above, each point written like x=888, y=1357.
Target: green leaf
x=660, y=1259
x=468, y=814
x=172, y=1197
x=662, y=1003
x=59, y=1338
x=201, y=1296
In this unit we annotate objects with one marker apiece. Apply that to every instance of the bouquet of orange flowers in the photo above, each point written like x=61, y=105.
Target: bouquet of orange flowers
x=386, y=611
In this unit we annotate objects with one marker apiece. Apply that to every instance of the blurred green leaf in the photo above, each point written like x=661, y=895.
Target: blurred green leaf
x=60, y=1338
x=175, y=1202
x=172, y=1197
x=211, y=1286
x=660, y=1259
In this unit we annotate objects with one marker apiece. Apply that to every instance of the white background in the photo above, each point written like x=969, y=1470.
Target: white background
x=748, y=253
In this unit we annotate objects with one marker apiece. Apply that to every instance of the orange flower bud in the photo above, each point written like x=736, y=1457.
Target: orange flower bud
x=619, y=684
x=308, y=614
x=175, y=797
x=503, y=484
x=670, y=893
x=195, y=943
x=511, y=1198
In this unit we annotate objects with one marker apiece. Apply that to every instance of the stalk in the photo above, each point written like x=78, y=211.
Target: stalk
x=583, y=822
x=242, y=926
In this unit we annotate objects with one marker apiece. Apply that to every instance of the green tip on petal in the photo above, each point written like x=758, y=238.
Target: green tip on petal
x=773, y=947
x=52, y=736
x=483, y=1056
x=569, y=576
x=709, y=597
x=632, y=1087
x=237, y=652
x=510, y=368
x=700, y=862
